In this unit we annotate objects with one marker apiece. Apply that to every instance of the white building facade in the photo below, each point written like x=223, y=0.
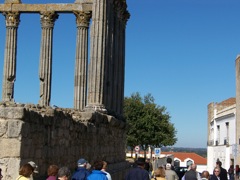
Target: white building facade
x=221, y=133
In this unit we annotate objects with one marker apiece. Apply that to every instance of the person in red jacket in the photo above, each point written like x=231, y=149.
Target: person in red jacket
x=237, y=171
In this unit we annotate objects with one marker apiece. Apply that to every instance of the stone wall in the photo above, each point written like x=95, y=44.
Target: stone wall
x=58, y=136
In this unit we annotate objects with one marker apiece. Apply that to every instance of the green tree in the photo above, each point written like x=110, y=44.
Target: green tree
x=148, y=124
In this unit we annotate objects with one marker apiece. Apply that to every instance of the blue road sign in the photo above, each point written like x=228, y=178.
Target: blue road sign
x=157, y=151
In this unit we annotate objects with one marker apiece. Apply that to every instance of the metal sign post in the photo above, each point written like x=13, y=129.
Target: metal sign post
x=137, y=149
x=157, y=152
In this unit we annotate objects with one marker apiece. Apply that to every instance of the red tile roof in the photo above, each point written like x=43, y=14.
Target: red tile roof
x=183, y=155
x=228, y=102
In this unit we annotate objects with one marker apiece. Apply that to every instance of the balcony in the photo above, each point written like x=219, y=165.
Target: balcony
x=226, y=141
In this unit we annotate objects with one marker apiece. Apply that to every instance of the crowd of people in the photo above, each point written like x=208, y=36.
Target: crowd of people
x=84, y=171
x=141, y=170
x=167, y=172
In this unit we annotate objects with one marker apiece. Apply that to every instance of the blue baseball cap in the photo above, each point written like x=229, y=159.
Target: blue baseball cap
x=81, y=162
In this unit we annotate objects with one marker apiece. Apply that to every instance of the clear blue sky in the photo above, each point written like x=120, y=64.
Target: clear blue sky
x=182, y=52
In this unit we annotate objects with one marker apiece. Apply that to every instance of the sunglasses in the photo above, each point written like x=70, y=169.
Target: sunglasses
x=216, y=171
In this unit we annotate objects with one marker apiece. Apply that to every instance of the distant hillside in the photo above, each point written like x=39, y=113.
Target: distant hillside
x=200, y=151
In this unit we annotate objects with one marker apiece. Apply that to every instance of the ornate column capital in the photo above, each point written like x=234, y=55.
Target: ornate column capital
x=12, y=19
x=82, y=18
x=48, y=18
x=125, y=16
x=120, y=7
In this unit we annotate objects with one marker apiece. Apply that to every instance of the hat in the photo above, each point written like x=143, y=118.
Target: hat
x=168, y=166
x=81, y=162
x=140, y=161
x=33, y=164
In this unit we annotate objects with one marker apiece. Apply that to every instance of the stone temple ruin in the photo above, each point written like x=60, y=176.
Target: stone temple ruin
x=93, y=129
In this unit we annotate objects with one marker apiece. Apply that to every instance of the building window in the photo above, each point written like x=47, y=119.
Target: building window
x=176, y=163
x=226, y=140
x=189, y=163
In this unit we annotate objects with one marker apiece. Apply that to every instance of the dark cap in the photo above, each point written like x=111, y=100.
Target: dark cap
x=140, y=161
x=81, y=162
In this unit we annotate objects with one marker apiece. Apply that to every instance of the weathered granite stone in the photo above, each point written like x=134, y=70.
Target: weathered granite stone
x=10, y=148
x=14, y=128
x=3, y=127
x=12, y=113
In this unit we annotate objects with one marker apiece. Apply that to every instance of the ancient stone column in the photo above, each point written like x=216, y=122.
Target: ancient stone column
x=116, y=61
x=237, y=66
x=124, y=18
x=45, y=68
x=121, y=18
x=97, y=57
x=9, y=71
x=80, y=83
x=109, y=45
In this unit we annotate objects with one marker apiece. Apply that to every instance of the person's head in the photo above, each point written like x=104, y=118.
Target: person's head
x=168, y=166
x=219, y=163
x=104, y=165
x=147, y=160
x=216, y=171
x=194, y=167
x=169, y=160
x=205, y=174
x=64, y=173
x=34, y=165
x=52, y=170
x=98, y=165
x=26, y=170
x=82, y=163
x=159, y=172
x=140, y=162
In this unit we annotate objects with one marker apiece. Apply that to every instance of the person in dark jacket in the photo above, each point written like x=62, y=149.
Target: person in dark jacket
x=138, y=172
x=216, y=173
x=192, y=174
x=223, y=172
x=81, y=173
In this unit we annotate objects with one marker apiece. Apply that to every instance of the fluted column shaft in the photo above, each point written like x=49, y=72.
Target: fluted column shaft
x=45, y=68
x=81, y=63
x=116, y=60
x=124, y=16
x=97, y=57
x=108, y=82
x=9, y=71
